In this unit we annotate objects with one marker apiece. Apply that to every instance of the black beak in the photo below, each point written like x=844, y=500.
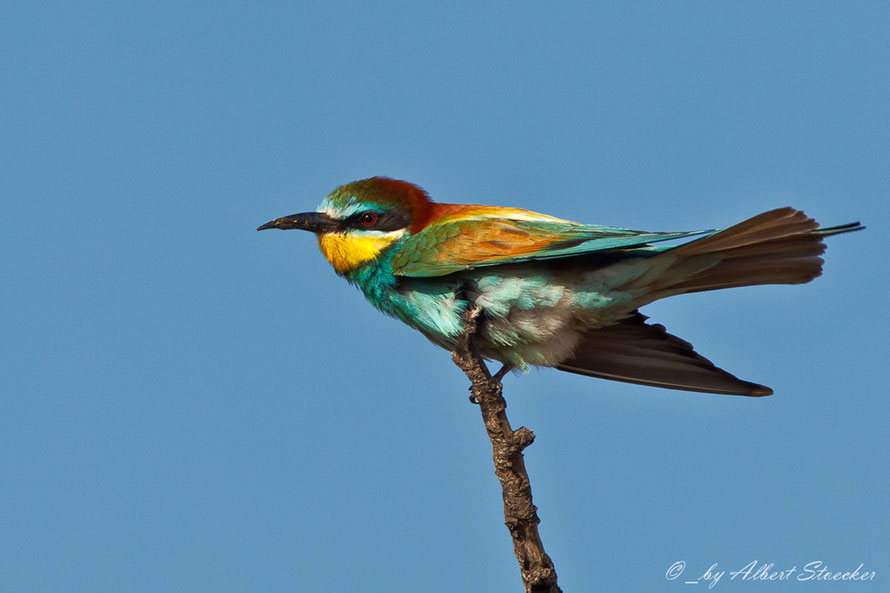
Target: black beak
x=315, y=222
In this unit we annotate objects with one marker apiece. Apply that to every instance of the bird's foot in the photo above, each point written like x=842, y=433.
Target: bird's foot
x=497, y=378
x=503, y=372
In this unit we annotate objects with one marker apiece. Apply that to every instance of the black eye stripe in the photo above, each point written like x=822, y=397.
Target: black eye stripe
x=393, y=220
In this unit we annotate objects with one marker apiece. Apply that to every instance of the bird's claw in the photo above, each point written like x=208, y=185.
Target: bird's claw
x=503, y=372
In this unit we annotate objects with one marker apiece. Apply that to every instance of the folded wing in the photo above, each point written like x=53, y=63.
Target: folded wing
x=487, y=236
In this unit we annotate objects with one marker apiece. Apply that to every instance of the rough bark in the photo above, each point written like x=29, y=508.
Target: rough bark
x=520, y=515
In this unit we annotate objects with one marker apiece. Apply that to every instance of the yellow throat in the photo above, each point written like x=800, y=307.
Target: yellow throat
x=347, y=250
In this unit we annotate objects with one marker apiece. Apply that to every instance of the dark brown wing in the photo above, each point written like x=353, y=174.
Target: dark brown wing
x=636, y=352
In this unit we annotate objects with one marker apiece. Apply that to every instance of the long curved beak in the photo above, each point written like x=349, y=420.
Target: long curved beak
x=314, y=222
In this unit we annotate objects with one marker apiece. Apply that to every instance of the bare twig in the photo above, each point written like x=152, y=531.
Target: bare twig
x=520, y=515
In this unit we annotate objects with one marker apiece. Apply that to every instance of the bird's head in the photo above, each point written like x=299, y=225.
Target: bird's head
x=359, y=220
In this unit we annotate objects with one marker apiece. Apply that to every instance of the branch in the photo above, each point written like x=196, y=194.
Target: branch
x=520, y=515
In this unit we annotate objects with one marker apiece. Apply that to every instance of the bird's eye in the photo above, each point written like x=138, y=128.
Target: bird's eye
x=369, y=218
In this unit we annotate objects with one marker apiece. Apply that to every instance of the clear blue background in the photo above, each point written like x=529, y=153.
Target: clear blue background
x=188, y=405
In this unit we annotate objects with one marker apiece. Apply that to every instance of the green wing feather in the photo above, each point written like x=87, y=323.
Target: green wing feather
x=454, y=244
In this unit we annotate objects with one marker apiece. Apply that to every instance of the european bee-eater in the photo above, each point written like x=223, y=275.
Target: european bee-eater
x=552, y=292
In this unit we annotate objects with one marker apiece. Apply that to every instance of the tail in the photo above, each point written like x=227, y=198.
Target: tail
x=777, y=247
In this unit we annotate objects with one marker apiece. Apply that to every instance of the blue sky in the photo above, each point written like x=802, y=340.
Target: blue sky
x=188, y=405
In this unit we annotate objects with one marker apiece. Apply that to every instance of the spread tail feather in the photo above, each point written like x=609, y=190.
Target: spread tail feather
x=781, y=246
x=635, y=352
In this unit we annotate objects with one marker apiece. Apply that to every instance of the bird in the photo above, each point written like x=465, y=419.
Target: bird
x=551, y=292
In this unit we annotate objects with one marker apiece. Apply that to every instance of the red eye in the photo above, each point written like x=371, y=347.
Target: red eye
x=369, y=218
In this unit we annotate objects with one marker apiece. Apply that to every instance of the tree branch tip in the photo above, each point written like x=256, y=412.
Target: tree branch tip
x=520, y=514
